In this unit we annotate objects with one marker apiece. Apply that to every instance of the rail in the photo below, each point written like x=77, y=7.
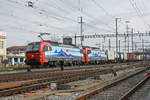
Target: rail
x=88, y=95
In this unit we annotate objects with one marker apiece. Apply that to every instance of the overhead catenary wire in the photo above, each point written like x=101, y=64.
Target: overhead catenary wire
x=75, y=20
x=94, y=0
x=106, y=30
x=38, y=23
x=21, y=5
x=105, y=11
x=92, y=17
x=27, y=22
x=139, y=12
x=102, y=8
x=66, y=18
x=79, y=9
x=98, y=20
x=86, y=15
x=72, y=20
x=61, y=10
x=144, y=10
x=48, y=13
x=144, y=5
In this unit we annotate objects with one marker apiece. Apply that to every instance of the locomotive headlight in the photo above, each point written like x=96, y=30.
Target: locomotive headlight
x=40, y=55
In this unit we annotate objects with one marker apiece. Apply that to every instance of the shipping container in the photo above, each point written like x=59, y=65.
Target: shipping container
x=148, y=57
x=134, y=57
x=130, y=56
x=121, y=56
x=140, y=57
x=137, y=57
x=111, y=55
x=125, y=57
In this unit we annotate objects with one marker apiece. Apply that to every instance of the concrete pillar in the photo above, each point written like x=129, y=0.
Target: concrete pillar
x=12, y=60
x=18, y=60
x=24, y=60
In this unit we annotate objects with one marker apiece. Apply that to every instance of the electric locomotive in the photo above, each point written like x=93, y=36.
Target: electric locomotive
x=44, y=53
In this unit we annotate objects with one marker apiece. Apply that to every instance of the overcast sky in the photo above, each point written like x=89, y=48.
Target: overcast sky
x=60, y=17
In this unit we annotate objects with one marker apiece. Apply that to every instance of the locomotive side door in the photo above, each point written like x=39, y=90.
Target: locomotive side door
x=88, y=51
x=47, y=51
x=82, y=51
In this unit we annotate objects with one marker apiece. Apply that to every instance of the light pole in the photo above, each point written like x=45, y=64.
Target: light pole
x=127, y=30
x=132, y=39
x=81, y=29
x=116, y=20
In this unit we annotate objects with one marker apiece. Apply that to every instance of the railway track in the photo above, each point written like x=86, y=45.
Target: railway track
x=114, y=90
x=45, y=82
x=44, y=74
x=39, y=74
x=139, y=91
x=31, y=76
x=21, y=83
x=58, y=78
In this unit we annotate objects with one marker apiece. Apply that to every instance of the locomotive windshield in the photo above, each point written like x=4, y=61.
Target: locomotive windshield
x=33, y=47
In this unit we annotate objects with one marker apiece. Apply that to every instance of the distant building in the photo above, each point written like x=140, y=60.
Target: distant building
x=2, y=46
x=16, y=50
x=16, y=55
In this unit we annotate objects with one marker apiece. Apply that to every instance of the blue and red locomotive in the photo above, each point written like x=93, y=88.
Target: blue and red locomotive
x=46, y=53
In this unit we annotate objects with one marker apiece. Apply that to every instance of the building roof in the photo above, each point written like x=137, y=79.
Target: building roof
x=2, y=37
x=16, y=47
x=16, y=55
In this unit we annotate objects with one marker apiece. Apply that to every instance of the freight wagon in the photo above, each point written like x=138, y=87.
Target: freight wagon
x=111, y=56
x=121, y=57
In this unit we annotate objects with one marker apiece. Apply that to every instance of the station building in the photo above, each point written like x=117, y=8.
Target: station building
x=2, y=46
x=16, y=55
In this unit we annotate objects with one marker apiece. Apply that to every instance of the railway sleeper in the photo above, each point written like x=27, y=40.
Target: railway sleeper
x=83, y=76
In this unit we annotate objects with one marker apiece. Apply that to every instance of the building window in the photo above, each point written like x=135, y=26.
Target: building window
x=21, y=60
x=1, y=44
x=15, y=60
x=9, y=60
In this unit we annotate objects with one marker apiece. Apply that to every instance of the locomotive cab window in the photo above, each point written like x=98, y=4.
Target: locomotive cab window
x=81, y=51
x=89, y=51
x=33, y=47
x=50, y=49
x=47, y=48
